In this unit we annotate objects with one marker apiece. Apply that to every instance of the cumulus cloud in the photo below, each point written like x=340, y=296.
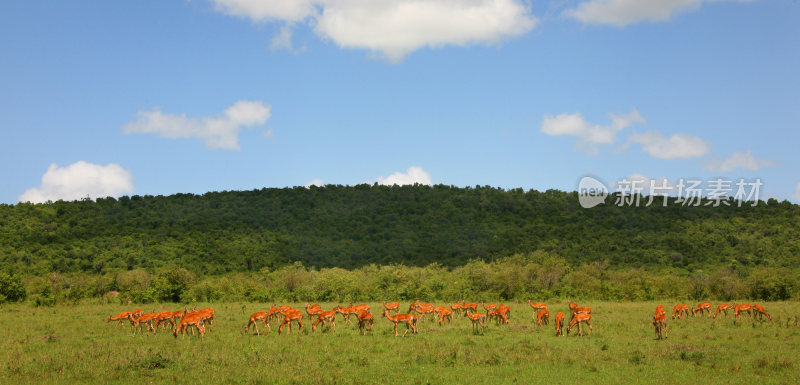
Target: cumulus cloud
x=79, y=180
x=589, y=135
x=413, y=175
x=394, y=28
x=315, y=182
x=677, y=146
x=739, y=160
x=621, y=13
x=216, y=132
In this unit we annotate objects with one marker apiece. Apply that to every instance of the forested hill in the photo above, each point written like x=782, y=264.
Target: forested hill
x=350, y=226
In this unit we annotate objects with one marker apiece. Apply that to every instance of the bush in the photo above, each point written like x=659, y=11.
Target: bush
x=11, y=289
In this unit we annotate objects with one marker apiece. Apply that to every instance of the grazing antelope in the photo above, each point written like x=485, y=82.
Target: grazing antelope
x=444, y=312
x=409, y=319
x=326, y=316
x=143, y=320
x=701, y=307
x=469, y=306
x=477, y=320
x=724, y=309
x=195, y=319
x=660, y=310
x=579, y=319
x=559, y=324
x=456, y=307
x=254, y=318
x=137, y=313
x=759, y=311
x=741, y=309
x=660, y=323
x=119, y=317
x=289, y=316
x=679, y=310
x=392, y=306
x=502, y=313
x=424, y=310
x=365, y=321
x=176, y=316
x=579, y=310
x=414, y=305
x=164, y=317
x=489, y=307
x=542, y=316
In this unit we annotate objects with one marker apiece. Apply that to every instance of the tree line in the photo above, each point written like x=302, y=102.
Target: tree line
x=78, y=249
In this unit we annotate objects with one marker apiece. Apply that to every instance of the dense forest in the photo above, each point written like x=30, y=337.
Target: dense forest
x=356, y=228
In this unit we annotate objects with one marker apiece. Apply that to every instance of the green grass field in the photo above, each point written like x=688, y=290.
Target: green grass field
x=74, y=344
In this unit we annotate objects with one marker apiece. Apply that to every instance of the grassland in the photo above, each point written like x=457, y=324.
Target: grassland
x=73, y=344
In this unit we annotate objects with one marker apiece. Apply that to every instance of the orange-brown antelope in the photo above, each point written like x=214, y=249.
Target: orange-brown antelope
x=326, y=316
x=559, y=324
x=660, y=323
x=290, y=316
x=392, y=306
x=119, y=317
x=760, y=312
x=365, y=321
x=579, y=319
x=477, y=320
x=724, y=309
x=705, y=306
x=409, y=319
x=254, y=319
x=195, y=319
x=679, y=310
x=543, y=316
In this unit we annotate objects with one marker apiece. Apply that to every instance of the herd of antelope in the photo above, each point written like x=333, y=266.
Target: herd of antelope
x=180, y=320
x=680, y=311
x=184, y=320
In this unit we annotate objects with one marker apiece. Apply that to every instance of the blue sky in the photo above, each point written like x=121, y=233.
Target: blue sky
x=165, y=97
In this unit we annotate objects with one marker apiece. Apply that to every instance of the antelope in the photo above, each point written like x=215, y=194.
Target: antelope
x=164, y=317
x=489, y=307
x=444, y=312
x=365, y=321
x=660, y=323
x=742, y=308
x=579, y=310
x=137, y=313
x=289, y=316
x=312, y=311
x=346, y=311
x=329, y=316
x=543, y=315
x=572, y=305
x=679, y=310
x=176, y=316
x=414, y=305
x=536, y=307
x=477, y=319
x=723, y=308
x=207, y=315
x=761, y=312
x=409, y=319
x=424, y=309
x=703, y=306
x=455, y=307
x=502, y=313
x=392, y=306
x=579, y=319
x=470, y=306
x=254, y=318
x=119, y=317
x=362, y=306
x=144, y=319
x=559, y=324
x=192, y=319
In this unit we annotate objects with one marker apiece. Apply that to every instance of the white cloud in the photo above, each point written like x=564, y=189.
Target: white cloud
x=674, y=147
x=395, y=28
x=648, y=185
x=739, y=160
x=625, y=12
x=220, y=132
x=283, y=41
x=315, y=182
x=413, y=175
x=78, y=180
x=796, y=194
x=589, y=135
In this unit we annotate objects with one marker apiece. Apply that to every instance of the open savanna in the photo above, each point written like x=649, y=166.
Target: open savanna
x=74, y=344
